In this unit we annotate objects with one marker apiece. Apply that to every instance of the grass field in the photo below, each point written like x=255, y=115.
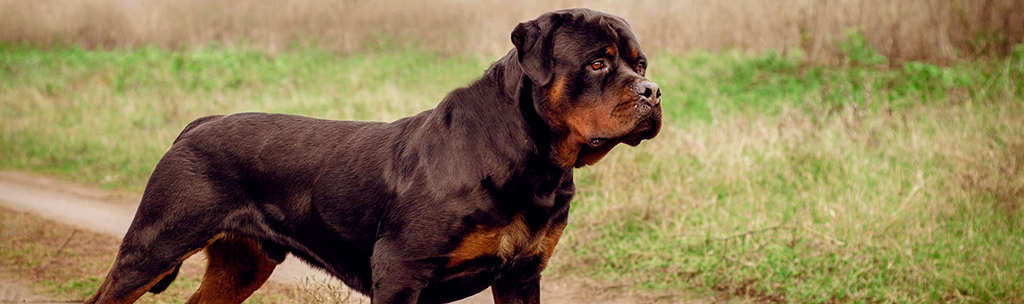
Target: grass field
x=774, y=179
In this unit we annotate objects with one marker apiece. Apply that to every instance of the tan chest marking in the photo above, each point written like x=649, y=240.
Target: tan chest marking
x=509, y=242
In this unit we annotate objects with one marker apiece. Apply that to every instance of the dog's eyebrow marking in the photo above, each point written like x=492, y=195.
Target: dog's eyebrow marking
x=634, y=53
x=610, y=50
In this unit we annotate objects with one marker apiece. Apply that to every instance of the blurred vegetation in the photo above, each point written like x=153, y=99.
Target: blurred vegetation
x=776, y=178
x=791, y=182
x=813, y=152
x=937, y=31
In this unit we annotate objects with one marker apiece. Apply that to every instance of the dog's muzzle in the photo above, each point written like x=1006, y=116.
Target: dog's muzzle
x=649, y=113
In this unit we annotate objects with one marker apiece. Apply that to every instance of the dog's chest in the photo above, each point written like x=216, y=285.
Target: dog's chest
x=509, y=243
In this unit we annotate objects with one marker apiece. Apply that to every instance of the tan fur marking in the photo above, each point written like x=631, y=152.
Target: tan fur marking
x=517, y=240
x=557, y=91
x=474, y=245
x=229, y=256
x=583, y=124
x=568, y=149
x=603, y=119
x=504, y=242
x=551, y=238
x=589, y=156
x=610, y=50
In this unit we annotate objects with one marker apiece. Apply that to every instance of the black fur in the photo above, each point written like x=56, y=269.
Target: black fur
x=391, y=209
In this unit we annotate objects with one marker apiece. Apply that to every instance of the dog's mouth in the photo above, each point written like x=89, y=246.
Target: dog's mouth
x=632, y=121
x=646, y=129
x=595, y=147
x=648, y=113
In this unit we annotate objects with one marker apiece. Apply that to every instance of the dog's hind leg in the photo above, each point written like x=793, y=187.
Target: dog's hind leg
x=176, y=218
x=237, y=267
x=165, y=281
x=147, y=260
x=128, y=281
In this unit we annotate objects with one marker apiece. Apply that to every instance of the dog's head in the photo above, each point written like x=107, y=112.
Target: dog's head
x=587, y=71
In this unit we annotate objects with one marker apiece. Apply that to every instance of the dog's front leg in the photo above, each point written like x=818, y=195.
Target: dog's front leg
x=521, y=286
x=395, y=290
x=396, y=279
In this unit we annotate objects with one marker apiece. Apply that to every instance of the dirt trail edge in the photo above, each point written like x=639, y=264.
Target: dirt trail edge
x=110, y=213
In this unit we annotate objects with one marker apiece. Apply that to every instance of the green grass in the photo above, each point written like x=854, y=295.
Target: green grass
x=774, y=179
x=107, y=117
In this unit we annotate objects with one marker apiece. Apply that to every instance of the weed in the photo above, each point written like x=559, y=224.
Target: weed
x=856, y=50
x=318, y=292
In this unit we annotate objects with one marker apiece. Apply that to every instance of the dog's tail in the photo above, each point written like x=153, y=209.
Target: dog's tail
x=196, y=123
x=166, y=281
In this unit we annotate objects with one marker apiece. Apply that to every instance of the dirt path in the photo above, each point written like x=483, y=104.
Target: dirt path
x=111, y=213
x=11, y=292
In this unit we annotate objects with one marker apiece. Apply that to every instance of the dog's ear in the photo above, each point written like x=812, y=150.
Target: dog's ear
x=533, y=41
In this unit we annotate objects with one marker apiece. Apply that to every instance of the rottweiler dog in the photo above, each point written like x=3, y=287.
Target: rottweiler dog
x=426, y=209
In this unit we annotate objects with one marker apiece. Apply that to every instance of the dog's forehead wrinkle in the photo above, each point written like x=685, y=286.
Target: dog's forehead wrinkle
x=580, y=47
x=591, y=37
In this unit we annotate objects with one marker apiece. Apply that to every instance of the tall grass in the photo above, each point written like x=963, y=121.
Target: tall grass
x=817, y=207
x=828, y=151
x=851, y=184
x=939, y=30
x=774, y=178
x=52, y=101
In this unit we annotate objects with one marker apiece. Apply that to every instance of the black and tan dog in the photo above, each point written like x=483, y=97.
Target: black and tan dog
x=427, y=209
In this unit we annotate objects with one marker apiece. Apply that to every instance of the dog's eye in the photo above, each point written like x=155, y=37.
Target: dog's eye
x=642, y=66
x=597, y=65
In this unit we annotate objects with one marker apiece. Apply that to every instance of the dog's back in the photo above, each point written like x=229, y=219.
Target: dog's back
x=427, y=209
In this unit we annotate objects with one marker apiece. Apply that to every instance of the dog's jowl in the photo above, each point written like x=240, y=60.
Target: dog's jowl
x=426, y=209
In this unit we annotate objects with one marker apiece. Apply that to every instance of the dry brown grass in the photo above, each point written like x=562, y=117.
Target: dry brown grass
x=939, y=30
x=67, y=264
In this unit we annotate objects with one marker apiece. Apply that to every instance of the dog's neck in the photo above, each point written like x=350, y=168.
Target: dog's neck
x=493, y=119
x=516, y=91
x=511, y=116
x=521, y=90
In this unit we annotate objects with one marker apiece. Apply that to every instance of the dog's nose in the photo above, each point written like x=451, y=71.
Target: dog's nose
x=649, y=92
